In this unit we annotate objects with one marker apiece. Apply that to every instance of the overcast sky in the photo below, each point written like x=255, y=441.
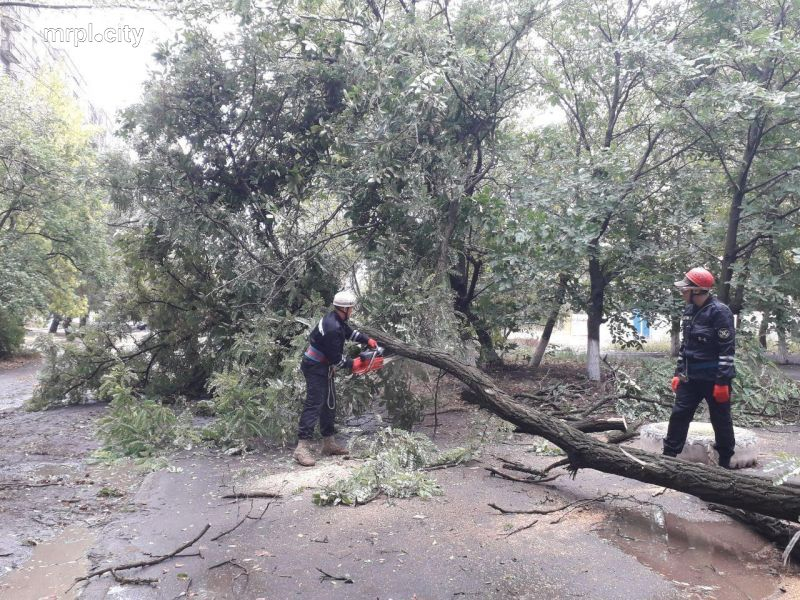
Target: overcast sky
x=114, y=70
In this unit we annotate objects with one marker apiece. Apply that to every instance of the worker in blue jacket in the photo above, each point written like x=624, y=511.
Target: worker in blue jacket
x=705, y=366
x=325, y=354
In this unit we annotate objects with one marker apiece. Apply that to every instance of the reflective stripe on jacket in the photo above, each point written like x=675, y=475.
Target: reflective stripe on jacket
x=329, y=336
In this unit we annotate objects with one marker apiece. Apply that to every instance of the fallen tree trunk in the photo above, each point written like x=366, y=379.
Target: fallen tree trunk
x=775, y=530
x=708, y=483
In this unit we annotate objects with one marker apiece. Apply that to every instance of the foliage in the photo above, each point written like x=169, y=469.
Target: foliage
x=246, y=410
x=412, y=450
x=605, y=182
x=394, y=462
x=12, y=333
x=404, y=405
x=318, y=145
x=72, y=371
x=643, y=389
x=133, y=427
x=52, y=238
x=259, y=390
x=760, y=388
x=761, y=392
x=785, y=467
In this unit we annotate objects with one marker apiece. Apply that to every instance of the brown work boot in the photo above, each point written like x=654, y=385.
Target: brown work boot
x=303, y=454
x=331, y=448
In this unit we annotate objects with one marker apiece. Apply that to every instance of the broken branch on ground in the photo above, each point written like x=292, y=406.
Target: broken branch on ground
x=142, y=563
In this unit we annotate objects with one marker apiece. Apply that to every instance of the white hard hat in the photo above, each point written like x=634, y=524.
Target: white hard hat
x=344, y=299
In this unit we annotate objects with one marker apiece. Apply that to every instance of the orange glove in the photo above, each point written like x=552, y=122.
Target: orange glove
x=372, y=343
x=361, y=366
x=676, y=381
x=722, y=393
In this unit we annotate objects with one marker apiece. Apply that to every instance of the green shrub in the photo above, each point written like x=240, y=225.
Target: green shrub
x=12, y=333
x=248, y=409
x=133, y=426
x=761, y=389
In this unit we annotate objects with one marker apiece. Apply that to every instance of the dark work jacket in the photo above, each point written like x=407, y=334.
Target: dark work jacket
x=329, y=336
x=708, y=343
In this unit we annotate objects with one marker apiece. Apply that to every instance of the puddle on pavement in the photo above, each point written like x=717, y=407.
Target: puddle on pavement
x=708, y=560
x=51, y=569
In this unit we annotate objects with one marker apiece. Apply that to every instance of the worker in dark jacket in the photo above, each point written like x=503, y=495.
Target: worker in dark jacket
x=320, y=360
x=705, y=366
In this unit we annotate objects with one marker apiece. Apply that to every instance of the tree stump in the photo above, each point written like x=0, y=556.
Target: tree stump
x=699, y=446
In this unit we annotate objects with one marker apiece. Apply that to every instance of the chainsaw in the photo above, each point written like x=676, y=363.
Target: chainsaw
x=371, y=354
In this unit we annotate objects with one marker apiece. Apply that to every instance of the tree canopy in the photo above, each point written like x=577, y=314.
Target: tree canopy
x=394, y=148
x=53, y=238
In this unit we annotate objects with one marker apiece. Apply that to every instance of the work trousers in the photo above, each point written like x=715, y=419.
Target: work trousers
x=318, y=404
x=687, y=399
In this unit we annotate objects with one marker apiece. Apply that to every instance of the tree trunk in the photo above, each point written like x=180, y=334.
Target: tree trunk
x=54, y=324
x=783, y=347
x=489, y=356
x=675, y=337
x=709, y=483
x=731, y=250
x=448, y=228
x=550, y=324
x=595, y=313
x=463, y=280
x=763, y=328
x=544, y=340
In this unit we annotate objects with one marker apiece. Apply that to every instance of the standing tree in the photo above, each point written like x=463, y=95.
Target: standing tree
x=433, y=87
x=52, y=236
x=736, y=91
x=622, y=153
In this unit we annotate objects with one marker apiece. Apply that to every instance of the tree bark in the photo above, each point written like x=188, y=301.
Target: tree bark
x=489, y=356
x=544, y=340
x=763, y=328
x=675, y=337
x=709, y=483
x=463, y=281
x=731, y=250
x=550, y=324
x=783, y=347
x=597, y=282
